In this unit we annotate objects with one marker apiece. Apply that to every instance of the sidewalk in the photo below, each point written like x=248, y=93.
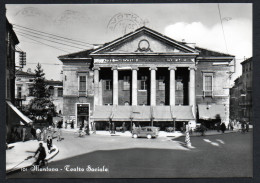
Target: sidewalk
x=175, y=134
x=20, y=151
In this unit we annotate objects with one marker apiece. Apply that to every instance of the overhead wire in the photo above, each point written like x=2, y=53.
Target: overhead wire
x=16, y=25
x=52, y=37
x=49, y=40
x=222, y=27
x=44, y=43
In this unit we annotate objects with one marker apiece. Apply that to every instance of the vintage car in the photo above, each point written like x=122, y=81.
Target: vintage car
x=147, y=131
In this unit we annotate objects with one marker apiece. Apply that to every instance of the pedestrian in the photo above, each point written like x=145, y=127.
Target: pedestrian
x=66, y=124
x=41, y=156
x=202, y=129
x=113, y=128
x=38, y=134
x=72, y=124
x=123, y=127
x=218, y=126
x=247, y=126
x=59, y=126
x=33, y=132
x=87, y=129
x=49, y=143
x=223, y=127
x=23, y=133
x=243, y=127
x=44, y=134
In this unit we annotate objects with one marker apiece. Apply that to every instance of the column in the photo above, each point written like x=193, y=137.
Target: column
x=153, y=86
x=100, y=89
x=134, y=85
x=96, y=85
x=192, y=87
x=172, y=85
x=115, y=85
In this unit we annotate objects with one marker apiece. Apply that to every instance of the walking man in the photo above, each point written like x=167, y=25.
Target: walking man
x=42, y=155
x=49, y=143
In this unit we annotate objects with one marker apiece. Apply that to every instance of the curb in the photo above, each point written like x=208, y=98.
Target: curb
x=19, y=169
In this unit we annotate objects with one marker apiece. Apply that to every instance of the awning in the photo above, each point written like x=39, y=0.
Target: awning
x=211, y=111
x=18, y=115
x=182, y=113
x=102, y=113
x=141, y=113
x=122, y=113
x=162, y=113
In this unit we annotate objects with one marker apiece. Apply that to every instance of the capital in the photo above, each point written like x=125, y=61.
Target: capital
x=134, y=68
x=153, y=68
x=96, y=68
x=114, y=68
x=193, y=68
x=172, y=68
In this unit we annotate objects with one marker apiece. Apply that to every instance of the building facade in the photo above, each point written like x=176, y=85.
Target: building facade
x=24, y=90
x=241, y=94
x=145, y=78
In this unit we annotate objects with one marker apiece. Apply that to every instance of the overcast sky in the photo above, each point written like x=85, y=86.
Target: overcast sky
x=94, y=24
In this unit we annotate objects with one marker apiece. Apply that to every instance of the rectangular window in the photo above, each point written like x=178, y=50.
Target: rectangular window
x=143, y=83
x=82, y=83
x=208, y=88
x=31, y=91
x=60, y=92
x=19, y=92
x=161, y=83
x=51, y=91
x=126, y=83
x=108, y=85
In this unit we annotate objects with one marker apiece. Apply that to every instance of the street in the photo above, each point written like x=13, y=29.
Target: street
x=227, y=155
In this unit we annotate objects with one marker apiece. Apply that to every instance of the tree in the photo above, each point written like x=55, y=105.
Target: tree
x=41, y=106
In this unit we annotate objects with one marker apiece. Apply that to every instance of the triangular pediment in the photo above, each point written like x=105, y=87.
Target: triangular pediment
x=144, y=41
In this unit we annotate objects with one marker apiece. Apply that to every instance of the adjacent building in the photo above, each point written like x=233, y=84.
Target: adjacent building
x=241, y=94
x=145, y=78
x=24, y=90
x=13, y=116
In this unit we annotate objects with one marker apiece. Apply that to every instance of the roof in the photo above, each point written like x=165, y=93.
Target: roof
x=19, y=72
x=150, y=31
x=211, y=111
x=207, y=52
x=80, y=54
x=247, y=60
x=53, y=82
x=202, y=51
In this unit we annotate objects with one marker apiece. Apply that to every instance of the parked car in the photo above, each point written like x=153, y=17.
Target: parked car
x=147, y=131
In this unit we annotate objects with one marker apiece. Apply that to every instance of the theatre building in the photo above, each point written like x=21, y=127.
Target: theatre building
x=145, y=78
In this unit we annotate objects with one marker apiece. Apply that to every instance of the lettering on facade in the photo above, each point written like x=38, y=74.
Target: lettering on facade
x=109, y=60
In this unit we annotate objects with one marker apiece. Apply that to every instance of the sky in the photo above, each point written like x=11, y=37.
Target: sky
x=99, y=23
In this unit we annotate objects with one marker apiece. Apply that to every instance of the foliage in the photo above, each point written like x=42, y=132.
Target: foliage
x=41, y=106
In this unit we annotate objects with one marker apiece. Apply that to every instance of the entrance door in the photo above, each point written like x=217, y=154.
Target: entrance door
x=82, y=114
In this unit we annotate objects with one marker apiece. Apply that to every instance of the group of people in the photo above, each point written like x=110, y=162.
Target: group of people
x=18, y=134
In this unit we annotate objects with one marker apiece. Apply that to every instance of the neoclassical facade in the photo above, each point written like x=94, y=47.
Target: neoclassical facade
x=146, y=78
